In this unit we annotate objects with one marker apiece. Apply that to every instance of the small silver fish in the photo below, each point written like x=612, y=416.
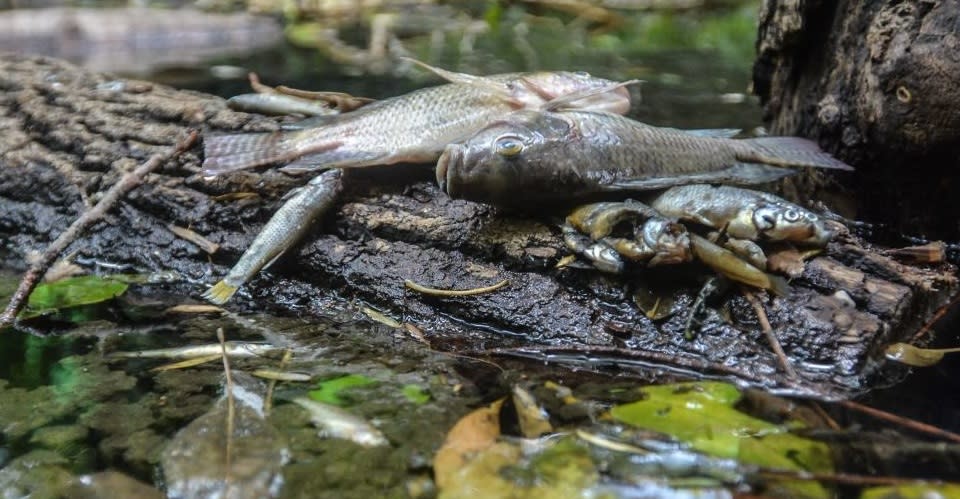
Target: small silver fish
x=743, y=213
x=335, y=422
x=233, y=349
x=541, y=155
x=414, y=127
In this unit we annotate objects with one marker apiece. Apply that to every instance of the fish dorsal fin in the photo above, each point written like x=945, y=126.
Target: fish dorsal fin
x=479, y=82
x=563, y=100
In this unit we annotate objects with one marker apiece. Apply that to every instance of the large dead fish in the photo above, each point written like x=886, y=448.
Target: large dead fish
x=534, y=155
x=414, y=127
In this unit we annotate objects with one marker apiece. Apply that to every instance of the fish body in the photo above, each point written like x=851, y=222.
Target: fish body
x=335, y=422
x=743, y=213
x=555, y=156
x=414, y=127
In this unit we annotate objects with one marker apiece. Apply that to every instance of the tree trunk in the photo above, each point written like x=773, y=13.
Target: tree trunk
x=876, y=83
x=70, y=134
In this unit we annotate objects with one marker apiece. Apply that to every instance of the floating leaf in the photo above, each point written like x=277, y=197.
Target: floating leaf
x=328, y=391
x=702, y=415
x=416, y=394
x=918, y=491
x=474, y=433
x=74, y=292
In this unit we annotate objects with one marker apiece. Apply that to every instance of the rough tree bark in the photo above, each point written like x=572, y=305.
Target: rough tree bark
x=877, y=84
x=70, y=134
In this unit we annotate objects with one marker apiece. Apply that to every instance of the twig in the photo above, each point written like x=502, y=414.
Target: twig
x=936, y=318
x=268, y=398
x=817, y=408
x=110, y=198
x=230, y=411
x=768, y=331
x=453, y=292
x=900, y=420
x=843, y=478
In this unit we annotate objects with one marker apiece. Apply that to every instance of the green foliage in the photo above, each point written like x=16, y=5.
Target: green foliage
x=68, y=296
x=329, y=391
x=416, y=394
x=702, y=415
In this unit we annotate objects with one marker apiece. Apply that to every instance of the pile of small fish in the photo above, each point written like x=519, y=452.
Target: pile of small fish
x=545, y=136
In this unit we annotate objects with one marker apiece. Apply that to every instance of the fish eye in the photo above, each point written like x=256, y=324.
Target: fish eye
x=791, y=215
x=508, y=145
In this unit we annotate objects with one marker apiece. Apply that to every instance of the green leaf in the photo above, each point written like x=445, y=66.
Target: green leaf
x=702, y=415
x=329, y=391
x=416, y=394
x=919, y=491
x=73, y=292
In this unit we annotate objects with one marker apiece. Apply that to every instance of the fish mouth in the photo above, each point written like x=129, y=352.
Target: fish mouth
x=452, y=156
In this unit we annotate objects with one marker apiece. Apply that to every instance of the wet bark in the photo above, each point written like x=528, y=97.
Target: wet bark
x=876, y=84
x=70, y=135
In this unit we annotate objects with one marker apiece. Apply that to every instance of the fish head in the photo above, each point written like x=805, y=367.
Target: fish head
x=506, y=162
x=789, y=222
x=569, y=90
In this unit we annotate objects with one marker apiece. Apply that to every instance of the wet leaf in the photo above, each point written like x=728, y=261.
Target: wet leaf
x=416, y=394
x=702, y=415
x=919, y=491
x=533, y=420
x=328, y=391
x=915, y=356
x=70, y=293
x=472, y=434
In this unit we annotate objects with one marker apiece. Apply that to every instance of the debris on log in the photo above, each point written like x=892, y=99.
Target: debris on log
x=71, y=134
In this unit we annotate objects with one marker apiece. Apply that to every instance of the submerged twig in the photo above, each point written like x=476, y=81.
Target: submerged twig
x=231, y=410
x=111, y=197
x=268, y=398
x=771, y=337
x=936, y=318
x=453, y=292
x=900, y=420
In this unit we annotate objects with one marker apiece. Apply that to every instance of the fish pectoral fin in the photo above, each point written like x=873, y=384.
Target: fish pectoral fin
x=562, y=101
x=333, y=158
x=717, y=133
x=739, y=174
x=480, y=82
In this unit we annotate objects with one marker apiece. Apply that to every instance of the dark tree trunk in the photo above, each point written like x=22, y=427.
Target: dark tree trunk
x=878, y=84
x=69, y=135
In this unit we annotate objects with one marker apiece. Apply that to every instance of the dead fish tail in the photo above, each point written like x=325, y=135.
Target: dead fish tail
x=793, y=152
x=227, y=153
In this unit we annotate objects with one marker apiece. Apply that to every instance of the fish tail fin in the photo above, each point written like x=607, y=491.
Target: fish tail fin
x=227, y=153
x=220, y=292
x=795, y=152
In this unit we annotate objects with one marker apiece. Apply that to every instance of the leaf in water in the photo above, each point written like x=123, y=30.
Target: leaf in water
x=474, y=433
x=919, y=491
x=702, y=415
x=416, y=394
x=328, y=391
x=72, y=292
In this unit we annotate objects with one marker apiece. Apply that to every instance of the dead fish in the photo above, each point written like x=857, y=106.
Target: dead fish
x=414, y=127
x=541, y=155
x=335, y=422
x=233, y=349
x=743, y=213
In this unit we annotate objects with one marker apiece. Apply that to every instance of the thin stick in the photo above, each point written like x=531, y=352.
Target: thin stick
x=900, y=420
x=268, y=398
x=453, y=292
x=231, y=415
x=817, y=408
x=936, y=318
x=843, y=478
x=768, y=331
x=110, y=198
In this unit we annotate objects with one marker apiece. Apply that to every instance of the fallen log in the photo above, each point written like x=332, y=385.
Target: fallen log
x=71, y=134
